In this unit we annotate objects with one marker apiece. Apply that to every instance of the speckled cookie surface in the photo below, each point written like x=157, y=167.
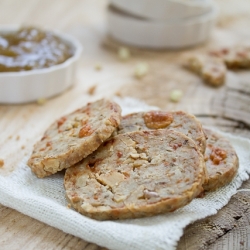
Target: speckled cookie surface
x=177, y=120
x=137, y=174
x=74, y=136
x=221, y=161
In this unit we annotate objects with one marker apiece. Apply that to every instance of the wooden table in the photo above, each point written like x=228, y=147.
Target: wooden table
x=21, y=125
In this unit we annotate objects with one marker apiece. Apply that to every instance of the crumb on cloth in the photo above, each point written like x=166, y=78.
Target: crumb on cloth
x=92, y=89
x=1, y=162
x=98, y=67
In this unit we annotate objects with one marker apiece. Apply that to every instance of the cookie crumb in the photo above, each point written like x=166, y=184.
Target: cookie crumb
x=10, y=137
x=1, y=162
x=176, y=95
x=91, y=90
x=141, y=69
x=17, y=137
x=41, y=101
x=124, y=53
x=118, y=94
x=23, y=147
x=98, y=67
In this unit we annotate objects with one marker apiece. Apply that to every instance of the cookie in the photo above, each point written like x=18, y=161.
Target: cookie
x=74, y=136
x=221, y=161
x=178, y=120
x=211, y=69
x=137, y=174
x=234, y=57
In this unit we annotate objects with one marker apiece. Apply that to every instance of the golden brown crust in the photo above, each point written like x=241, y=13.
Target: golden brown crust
x=177, y=120
x=221, y=161
x=137, y=174
x=73, y=137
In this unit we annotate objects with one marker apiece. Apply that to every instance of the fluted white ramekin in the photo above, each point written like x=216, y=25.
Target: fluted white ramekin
x=32, y=85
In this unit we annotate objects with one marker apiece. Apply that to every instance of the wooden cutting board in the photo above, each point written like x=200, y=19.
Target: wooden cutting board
x=226, y=108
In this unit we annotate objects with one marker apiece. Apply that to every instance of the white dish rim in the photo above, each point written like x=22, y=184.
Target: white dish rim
x=185, y=21
x=141, y=8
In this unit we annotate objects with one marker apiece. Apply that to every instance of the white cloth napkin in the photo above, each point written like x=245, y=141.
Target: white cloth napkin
x=44, y=200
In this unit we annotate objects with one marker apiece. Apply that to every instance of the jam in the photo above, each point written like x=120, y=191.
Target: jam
x=31, y=48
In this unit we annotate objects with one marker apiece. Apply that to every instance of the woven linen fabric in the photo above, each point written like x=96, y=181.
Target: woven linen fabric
x=44, y=200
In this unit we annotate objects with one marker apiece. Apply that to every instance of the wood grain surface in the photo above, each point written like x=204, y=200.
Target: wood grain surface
x=227, y=108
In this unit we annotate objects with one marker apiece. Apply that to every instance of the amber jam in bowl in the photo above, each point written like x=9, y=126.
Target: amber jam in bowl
x=36, y=64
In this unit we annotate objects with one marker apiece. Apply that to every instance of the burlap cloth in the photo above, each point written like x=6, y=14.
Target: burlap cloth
x=44, y=200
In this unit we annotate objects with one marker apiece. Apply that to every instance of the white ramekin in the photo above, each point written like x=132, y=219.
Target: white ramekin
x=29, y=86
x=160, y=34
x=163, y=9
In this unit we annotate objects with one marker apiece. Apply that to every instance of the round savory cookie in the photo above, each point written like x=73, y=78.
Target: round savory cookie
x=137, y=174
x=74, y=136
x=221, y=161
x=178, y=120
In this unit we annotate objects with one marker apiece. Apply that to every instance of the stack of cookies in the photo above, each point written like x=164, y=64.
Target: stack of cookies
x=138, y=165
